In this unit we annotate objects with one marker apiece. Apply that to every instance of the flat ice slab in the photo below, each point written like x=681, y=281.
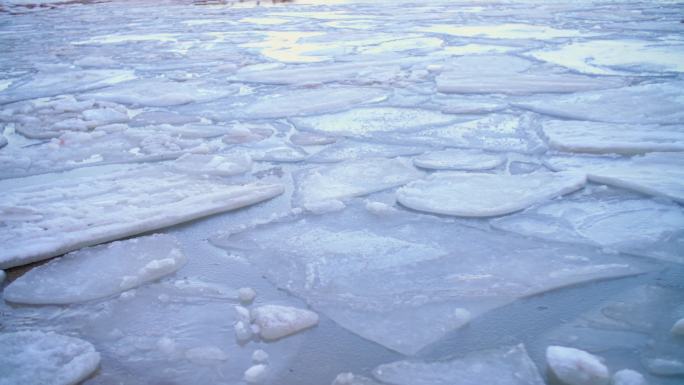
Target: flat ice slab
x=485, y=195
x=467, y=160
x=48, y=220
x=404, y=280
x=628, y=139
x=38, y=358
x=276, y=321
x=98, y=272
x=502, y=366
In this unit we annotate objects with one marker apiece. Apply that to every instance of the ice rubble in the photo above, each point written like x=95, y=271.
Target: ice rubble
x=47, y=220
x=502, y=366
x=459, y=160
x=620, y=105
x=402, y=279
x=39, y=358
x=360, y=122
x=607, y=218
x=485, y=195
x=616, y=57
x=576, y=367
x=628, y=139
x=79, y=276
x=277, y=321
x=353, y=178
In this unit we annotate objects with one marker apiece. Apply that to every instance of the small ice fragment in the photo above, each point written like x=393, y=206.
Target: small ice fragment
x=665, y=366
x=277, y=321
x=352, y=379
x=205, y=355
x=259, y=356
x=243, y=332
x=576, y=367
x=379, y=208
x=38, y=358
x=242, y=314
x=677, y=328
x=628, y=377
x=326, y=206
x=256, y=373
x=246, y=294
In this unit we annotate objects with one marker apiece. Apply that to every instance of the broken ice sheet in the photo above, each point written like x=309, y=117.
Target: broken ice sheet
x=65, y=215
x=404, y=280
x=459, y=160
x=38, y=358
x=353, y=178
x=502, y=366
x=596, y=137
x=353, y=149
x=607, y=218
x=224, y=164
x=651, y=103
x=504, y=31
x=98, y=272
x=485, y=195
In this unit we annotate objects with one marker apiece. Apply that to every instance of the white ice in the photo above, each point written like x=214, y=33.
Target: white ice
x=468, y=160
x=158, y=93
x=276, y=321
x=39, y=358
x=222, y=165
x=628, y=377
x=485, y=195
x=504, y=31
x=576, y=367
x=98, y=272
x=62, y=216
x=502, y=366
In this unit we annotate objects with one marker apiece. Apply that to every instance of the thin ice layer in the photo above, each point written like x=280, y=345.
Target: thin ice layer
x=43, y=221
x=353, y=178
x=405, y=280
x=502, y=366
x=595, y=137
x=38, y=358
x=485, y=195
x=606, y=218
x=459, y=160
x=98, y=272
x=658, y=103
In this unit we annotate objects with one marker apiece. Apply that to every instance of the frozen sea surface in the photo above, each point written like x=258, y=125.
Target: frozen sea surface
x=353, y=192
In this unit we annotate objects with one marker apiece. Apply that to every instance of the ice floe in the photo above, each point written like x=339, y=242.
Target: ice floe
x=156, y=93
x=65, y=215
x=39, y=358
x=485, y=195
x=502, y=366
x=459, y=160
x=576, y=367
x=277, y=321
x=223, y=165
x=79, y=276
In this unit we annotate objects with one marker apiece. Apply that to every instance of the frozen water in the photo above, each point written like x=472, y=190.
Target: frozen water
x=223, y=165
x=505, y=31
x=592, y=137
x=39, y=358
x=351, y=149
x=98, y=272
x=157, y=93
x=503, y=366
x=353, y=178
x=459, y=160
x=607, y=218
x=628, y=377
x=485, y=195
x=256, y=373
x=622, y=105
x=43, y=221
x=576, y=367
x=277, y=321
x=402, y=279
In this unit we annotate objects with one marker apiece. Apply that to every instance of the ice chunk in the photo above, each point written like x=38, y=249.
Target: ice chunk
x=156, y=93
x=256, y=373
x=323, y=207
x=354, y=178
x=246, y=294
x=459, y=160
x=353, y=379
x=38, y=358
x=607, y=218
x=628, y=377
x=657, y=174
x=503, y=366
x=311, y=139
x=223, y=165
x=661, y=103
x=485, y=195
x=259, y=356
x=312, y=101
x=665, y=366
x=205, y=355
x=616, y=57
x=576, y=367
x=677, y=328
x=592, y=137
x=73, y=213
x=404, y=280
x=98, y=272
x=277, y=321
x=364, y=121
